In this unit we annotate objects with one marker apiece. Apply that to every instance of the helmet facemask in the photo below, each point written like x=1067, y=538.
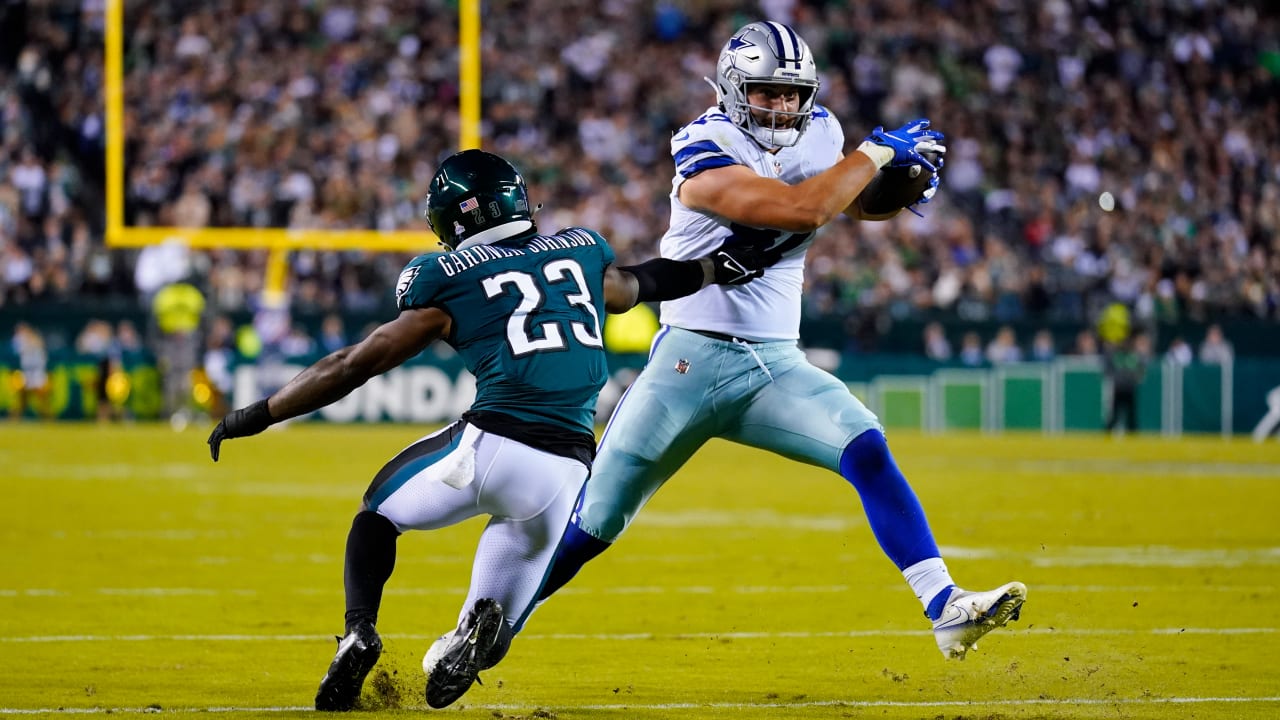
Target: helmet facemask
x=766, y=53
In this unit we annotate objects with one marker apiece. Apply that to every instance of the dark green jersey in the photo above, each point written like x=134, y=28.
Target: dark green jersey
x=527, y=317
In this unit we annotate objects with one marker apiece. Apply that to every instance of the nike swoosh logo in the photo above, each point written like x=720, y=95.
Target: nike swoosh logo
x=682, y=136
x=954, y=615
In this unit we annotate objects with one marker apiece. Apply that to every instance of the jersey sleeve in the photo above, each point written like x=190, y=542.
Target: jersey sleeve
x=705, y=144
x=825, y=122
x=419, y=283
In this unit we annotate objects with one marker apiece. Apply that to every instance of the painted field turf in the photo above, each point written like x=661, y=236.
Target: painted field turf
x=141, y=577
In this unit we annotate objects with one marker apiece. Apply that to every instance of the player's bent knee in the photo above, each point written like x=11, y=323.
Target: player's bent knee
x=576, y=549
x=602, y=521
x=866, y=455
x=375, y=522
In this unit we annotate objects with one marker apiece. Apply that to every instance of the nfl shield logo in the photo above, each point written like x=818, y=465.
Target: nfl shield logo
x=682, y=366
x=469, y=204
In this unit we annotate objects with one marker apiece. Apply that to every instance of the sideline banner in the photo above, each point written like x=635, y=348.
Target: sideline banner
x=431, y=388
x=435, y=388
x=71, y=389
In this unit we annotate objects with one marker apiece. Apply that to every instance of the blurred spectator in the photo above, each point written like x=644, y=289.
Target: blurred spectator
x=1179, y=352
x=97, y=341
x=936, y=345
x=129, y=341
x=1114, y=324
x=1157, y=189
x=177, y=311
x=971, y=349
x=219, y=364
x=297, y=343
x=1215, y=349
x=271, y=325
x=1086, y=345
x=160, y=265
x=33, y=376
x=1042, y=346
x=333, y=336
x=1004, y=348
x=29, y=178
x=1125, y=366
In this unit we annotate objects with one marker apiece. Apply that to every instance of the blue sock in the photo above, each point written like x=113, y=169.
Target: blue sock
x=939, y=601
x=892, y=509
x=576, y=548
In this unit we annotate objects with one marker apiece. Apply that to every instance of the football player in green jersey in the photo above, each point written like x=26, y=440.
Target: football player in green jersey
x=524, y=311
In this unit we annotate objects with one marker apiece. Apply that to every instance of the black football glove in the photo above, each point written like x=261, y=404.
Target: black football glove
x=739, y=264
x=246, y=421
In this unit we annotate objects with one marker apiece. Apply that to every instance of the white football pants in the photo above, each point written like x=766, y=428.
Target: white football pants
x=462, y=471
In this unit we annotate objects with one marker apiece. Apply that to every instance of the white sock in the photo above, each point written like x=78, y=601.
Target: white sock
x=927, y=578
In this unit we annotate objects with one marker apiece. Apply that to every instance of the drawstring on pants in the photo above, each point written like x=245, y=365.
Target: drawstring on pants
x=755, y=356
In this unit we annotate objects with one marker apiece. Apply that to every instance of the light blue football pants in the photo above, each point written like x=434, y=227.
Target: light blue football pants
x=694, y=388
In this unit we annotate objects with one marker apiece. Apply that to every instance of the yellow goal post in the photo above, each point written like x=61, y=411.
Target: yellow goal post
x=279, y=241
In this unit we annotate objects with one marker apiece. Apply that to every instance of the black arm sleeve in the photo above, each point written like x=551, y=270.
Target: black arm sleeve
x=663, y=279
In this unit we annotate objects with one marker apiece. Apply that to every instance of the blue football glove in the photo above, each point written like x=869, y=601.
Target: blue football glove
x=929, y=192
x=908, y=142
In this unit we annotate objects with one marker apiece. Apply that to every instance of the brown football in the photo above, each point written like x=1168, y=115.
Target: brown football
x=893, y=188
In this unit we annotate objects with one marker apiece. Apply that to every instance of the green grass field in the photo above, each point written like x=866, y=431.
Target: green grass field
x=140, y=577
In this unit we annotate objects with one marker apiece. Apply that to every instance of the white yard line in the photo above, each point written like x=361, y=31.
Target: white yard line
x=741, y=635
x=866, y=704
x=336, y=590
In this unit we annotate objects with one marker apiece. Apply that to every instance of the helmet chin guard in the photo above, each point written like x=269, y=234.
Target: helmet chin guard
x=766, y=53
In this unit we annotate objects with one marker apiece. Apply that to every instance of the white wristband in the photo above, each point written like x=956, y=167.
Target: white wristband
x=879, y=154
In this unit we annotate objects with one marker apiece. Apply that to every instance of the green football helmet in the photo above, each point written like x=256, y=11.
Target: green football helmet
x=477, y=198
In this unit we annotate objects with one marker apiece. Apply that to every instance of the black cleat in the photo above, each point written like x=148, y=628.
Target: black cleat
x=358, y=652
x=477, y=645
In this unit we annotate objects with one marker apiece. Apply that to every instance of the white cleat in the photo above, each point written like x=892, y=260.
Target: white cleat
x=437, y=650
x=970, y=615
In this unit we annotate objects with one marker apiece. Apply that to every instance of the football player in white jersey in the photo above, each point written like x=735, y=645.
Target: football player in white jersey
x=765, y=167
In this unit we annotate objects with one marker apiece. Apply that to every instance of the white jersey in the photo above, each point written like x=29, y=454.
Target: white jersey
x=767, y=308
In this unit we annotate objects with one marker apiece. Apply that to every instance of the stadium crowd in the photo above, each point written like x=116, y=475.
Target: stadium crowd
x=1100, y=151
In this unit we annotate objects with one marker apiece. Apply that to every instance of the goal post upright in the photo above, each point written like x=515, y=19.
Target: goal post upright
x=469, y=74
x=278, y=241
x=113, y=88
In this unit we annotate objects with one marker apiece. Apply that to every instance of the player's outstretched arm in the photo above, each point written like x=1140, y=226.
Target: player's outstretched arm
x=663, y=279
x=737, y=193
x=334, y=376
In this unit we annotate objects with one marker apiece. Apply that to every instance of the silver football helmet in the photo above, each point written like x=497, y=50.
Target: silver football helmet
x=766, y=52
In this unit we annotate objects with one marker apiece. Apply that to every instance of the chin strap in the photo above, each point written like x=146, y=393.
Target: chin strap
x=714, y=86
